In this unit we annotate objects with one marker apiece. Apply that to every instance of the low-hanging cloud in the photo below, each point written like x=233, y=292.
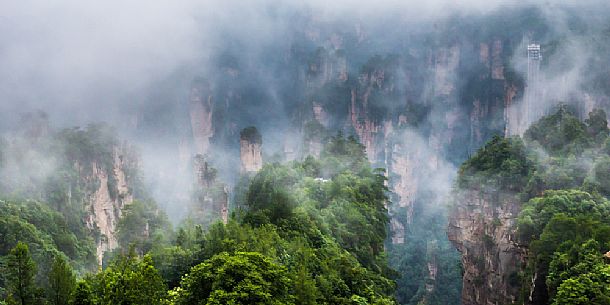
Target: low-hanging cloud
x=107, y=60
x=85, y=61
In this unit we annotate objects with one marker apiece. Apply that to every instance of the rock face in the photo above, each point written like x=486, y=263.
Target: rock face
x=111, y=193
x=446, y=65
x=369, y=132
x=511, y=112
x=405, y=185
x=328, y=65
x=313, y=147
x=482, y=228
x=371, y=128
x=497, y=60
x=201, y=115
x=251, y=154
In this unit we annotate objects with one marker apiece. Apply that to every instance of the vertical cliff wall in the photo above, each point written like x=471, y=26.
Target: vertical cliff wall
x=370, y=132
x=446, y=63
x=482, y=227
x=404, y=184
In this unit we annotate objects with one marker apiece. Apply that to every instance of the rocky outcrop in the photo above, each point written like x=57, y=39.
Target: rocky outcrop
x=482, y=228
x=111, y=192
x=432, y=269
x=251, y=154
x=397, y=231
x=493, y=58
x=413, y=170
x=370, y=135
x=313, y=147
x=200, y=109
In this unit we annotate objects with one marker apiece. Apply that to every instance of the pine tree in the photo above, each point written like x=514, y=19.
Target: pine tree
x=20, y=274
x=61, y=282
x=305, y=291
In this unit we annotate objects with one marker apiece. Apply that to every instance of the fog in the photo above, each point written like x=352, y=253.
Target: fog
x=91, y=61
x=424, y=84
x=131, y=63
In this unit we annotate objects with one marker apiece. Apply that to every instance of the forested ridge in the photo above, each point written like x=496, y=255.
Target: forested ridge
x=306, y=232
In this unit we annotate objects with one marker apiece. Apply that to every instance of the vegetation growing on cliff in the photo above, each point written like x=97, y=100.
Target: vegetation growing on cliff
x=559, y=171
x=47, y=187
x=501, y=163
x=567, y=232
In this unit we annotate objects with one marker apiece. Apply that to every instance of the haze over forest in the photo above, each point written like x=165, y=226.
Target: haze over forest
x=343, y=152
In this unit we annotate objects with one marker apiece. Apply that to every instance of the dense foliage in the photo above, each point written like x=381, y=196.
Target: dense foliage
x=567, y=232
x=47, y=234
x=310, y=232
x=51, y=232
x=239, y=278
x=142, y=226
x=501, y=163
x=320, y=225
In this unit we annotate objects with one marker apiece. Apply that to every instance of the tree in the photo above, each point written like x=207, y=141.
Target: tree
x=141, y=225
x=61, y=282
x=240, y=278
x=564, y=231
x=311, y=232
x=601, y=172
x=83, y=295
x=501, y=163
x=561, y=133
x=597, y=123
x=268, y=199
x=20, y=274
x=586, y=289
x=130, y=281
x=305, y=291
x=538, y=212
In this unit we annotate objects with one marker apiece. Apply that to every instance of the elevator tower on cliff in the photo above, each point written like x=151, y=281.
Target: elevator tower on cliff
x=533, y=91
